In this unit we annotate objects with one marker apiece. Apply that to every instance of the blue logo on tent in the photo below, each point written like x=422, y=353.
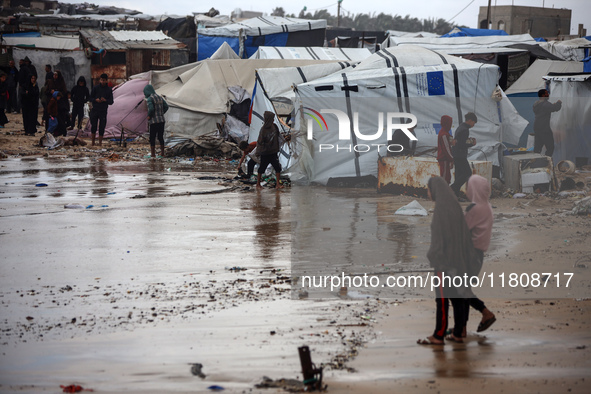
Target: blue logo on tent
x=435, y=83
x=437, y=127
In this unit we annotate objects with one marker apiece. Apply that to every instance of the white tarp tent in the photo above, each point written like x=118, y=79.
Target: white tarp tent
x=317, y=53
x=576, y=49
x=532, y=79
x=411, y=80
x=454, y=43
x=572, y=124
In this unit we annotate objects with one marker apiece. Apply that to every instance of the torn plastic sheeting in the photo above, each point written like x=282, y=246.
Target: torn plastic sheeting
x=412, y=209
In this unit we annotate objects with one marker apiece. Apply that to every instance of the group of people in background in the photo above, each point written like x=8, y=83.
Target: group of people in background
x=20, y=92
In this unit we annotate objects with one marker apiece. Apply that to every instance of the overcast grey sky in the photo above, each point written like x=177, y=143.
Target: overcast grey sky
x=421, y=9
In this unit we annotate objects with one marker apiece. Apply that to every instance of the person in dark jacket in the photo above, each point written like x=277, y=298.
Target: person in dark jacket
x=24, y=76
x=58, y=107
x=48, y=73
x=460, y=152
x=56, y=84
x=12, y=81
x=268, y=145
x=157, y=107
x=444, y=157
x=31, y=106
x=100, y=98
x=3, y=99
x=542, y=132
x=79, y=95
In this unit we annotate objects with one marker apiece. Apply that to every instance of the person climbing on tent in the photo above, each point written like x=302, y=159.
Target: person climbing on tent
x=100, y=97
x=444, y=157
x=460, y=152
x=157, y=107
x=542, y=132
x=268, y=145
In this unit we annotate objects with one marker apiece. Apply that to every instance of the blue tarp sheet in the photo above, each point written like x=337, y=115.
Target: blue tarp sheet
x=207, y=45
x=467, y=32
x=25, y=34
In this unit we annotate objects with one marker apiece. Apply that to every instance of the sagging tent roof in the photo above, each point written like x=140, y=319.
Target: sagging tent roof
x=535, y=51
x=572, y=124
x=532, y=80
x=447, y=43
x=407, y=79
x=264, y=25
x=576, y=50
x=199, y=97
x=316, y=53
x=122, y=40
x=62, y=43
x=467, y=32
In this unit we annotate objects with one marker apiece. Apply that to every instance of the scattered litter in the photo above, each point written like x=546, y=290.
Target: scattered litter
x=89, y=206
x=74, y=389
x=573, y=193
x=216, y=388
x=290, y=385
x=412, y=209
x=519, y=195
x=73, y=206
x=236, y=269
x=196, y=370
x=582, y=207
x=109, y=193
x=41, y=184
x=104, y=206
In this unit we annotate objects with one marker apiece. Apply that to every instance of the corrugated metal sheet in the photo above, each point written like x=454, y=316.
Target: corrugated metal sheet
x=409, y=175
x=129, y=35
x=103, y=39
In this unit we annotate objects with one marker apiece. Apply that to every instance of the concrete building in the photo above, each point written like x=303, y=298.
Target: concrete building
x=537, y=21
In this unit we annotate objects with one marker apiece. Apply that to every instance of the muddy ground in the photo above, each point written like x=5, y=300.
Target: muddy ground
x=123, y=271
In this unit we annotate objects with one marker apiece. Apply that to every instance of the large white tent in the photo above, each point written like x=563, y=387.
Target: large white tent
x=409, y=80
x=454, y=43
x=317, y=53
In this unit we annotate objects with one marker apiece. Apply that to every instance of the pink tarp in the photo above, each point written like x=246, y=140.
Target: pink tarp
x=125, y=112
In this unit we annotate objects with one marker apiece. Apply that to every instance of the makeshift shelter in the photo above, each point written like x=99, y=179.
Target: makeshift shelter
x=62, y=52
x=420, y=34
x=347, y=38
x=524, y=92
x=482, y=49
x=121, y=54
x=199, y=97
x=576, y=49
x=246, y=36
x=403, y=80
x=572, y=124
x=128, y=113
x=315, y=53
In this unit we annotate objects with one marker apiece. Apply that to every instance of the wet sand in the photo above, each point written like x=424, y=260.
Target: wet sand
x=124, y=297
